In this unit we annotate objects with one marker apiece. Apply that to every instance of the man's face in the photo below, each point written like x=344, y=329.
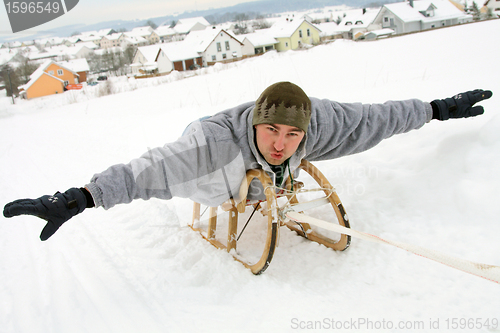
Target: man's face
x=277, y=142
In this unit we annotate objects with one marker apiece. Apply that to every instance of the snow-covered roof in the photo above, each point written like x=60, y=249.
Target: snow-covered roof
x=443, y=9
x=149, y=52
x=165, y=31
x=177, y=51
x=359, y=18
x=115, y=36
x=328, y=28
x=380, y=32
x=287, y=28
x=76, y=65
x=140, y=31
x=200, y=40
x=184, y=26
x=258, y=39
x=45, y=65
x=6, y=55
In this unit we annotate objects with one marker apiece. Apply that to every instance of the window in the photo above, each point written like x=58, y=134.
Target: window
x=223, y=56
x=214, y=58
x=51, y=73
x=300, y=33
x=219, y=48
x=66, y=83
x=308, y=32
x=227, y=46
x=286, y=44
x=60, y=72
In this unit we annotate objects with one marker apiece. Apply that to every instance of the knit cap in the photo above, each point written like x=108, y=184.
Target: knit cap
x=283, y=103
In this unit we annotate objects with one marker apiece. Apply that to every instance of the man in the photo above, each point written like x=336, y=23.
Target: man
x=209, y=162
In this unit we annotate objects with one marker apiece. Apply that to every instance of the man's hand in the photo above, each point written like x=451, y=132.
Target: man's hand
x=460, y=106
x=55, y=209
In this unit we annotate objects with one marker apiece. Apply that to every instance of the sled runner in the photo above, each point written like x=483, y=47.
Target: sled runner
x=274, y=210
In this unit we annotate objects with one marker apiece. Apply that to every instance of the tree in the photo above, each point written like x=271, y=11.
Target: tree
x=129, y=53
x=151, y=24
x=11, y=79
x=476, y=13
x=25, y=69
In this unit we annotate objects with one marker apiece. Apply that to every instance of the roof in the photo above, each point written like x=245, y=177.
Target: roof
x=6, y=55
x=177, y=51
x=287, y=28
x=358, y=18
x=149, y=52
x=328, y=28
x=258, y=39
x=443, y=9
x=165, y=31
x=381, y=32
x=200, y=40
x=184, y=26
x=115, y=36
x=76, y=65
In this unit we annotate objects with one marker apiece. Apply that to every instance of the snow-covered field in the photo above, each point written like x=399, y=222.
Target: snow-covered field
x=138, y=268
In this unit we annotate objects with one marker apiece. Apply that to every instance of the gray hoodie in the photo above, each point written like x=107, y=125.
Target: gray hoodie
x=209, y=162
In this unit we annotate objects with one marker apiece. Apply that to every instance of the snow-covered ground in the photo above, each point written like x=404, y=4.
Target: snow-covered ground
x=138, y=268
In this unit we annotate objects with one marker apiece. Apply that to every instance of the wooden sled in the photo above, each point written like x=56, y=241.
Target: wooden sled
x=274, y=216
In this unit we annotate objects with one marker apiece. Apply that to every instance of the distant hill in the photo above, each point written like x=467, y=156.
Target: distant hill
x=217, y=15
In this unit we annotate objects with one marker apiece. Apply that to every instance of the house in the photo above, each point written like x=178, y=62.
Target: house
x=136, y=41
x=378, y=34
x=80, y=50
x=150, y=60
x=418, y=15
x=357, y=22
x=182, y=55
x=50, y=78
x=113, y=40
x=293, y=34
x=215, y=45
x=166, y=34
x=79, y=66
x=329, y=31
x=185, y=26
x=257, y=43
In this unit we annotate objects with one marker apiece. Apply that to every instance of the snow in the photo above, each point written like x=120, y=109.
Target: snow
x=138, y=268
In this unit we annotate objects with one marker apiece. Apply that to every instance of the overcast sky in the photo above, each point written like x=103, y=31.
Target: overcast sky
x=94, y=11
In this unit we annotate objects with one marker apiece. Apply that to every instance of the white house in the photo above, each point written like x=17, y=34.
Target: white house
x=150, y=60
x=257, y=43
x=215, y=45
x=113, y=40
x=357, y=22
x=418, y=15
x=185, y=26
x=182, y=55
x=166, y=34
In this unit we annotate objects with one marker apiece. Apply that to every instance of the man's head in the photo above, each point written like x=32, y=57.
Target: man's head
x=281, y=118
x=283, y=103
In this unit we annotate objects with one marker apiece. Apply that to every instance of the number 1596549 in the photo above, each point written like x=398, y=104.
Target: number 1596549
x=16, y=7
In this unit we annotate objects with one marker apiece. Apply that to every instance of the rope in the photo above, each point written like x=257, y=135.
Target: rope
x=488, y=272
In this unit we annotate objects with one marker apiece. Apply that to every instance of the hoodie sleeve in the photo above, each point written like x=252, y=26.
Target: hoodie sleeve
x=339, y=129
x=195, y=166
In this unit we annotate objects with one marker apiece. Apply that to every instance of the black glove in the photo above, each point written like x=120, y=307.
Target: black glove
x=460, y=106
x=55, y=209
